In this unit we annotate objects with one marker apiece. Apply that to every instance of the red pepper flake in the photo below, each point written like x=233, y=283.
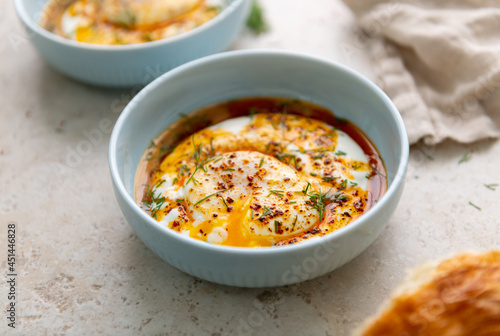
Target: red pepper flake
x=255, y=206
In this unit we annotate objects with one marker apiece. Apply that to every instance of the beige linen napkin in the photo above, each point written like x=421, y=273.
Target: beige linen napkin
x=439, y=61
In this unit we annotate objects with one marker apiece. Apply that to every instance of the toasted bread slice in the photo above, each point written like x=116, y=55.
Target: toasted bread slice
x=456, y=297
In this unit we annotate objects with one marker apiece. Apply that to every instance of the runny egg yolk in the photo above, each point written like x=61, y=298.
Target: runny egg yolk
x=268, y=179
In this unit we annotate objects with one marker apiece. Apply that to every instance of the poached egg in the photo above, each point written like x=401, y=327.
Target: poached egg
x=261, y=180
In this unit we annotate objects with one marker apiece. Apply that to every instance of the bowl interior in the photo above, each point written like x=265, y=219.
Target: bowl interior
x=248, y=74
x=31, y=11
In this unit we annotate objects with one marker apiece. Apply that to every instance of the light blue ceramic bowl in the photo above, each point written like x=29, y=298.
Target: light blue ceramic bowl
x=239, y=74
x=135, y=64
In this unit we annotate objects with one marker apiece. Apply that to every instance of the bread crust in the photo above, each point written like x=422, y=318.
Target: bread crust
x=456, y=297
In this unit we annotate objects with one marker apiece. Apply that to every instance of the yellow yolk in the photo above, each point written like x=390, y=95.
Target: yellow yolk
x=260, y=181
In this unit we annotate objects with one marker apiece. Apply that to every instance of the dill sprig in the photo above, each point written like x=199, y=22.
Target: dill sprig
x=466, y=157
x=273, y=124
x=318, y=200
x=318, y=156
x=163, y=150
x=266, y=212
x=225, y=204
x=207, y=197
x=261, y=162
x=343, y=185
x=376, y=171
x=491, y=186
x=279, y=193
x=200, y=164
x=292, y=158
x=155, y=201
x=252, y=111
x=265, y=153
x=255, y=21
x=475, y=206
x=430, y=158
x=356, y=166
x=304, y=190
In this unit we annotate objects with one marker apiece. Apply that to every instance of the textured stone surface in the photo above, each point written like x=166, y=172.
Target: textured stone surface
x=83, y=271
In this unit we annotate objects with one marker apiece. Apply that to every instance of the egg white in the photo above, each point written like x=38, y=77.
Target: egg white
x=252, y=195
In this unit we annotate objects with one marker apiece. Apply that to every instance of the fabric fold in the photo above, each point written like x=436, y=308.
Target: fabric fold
x=439, y=62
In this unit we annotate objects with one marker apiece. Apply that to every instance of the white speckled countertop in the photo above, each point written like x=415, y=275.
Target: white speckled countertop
x=82, y=270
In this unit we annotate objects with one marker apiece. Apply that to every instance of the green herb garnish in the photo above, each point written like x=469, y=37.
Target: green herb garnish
x=273, y=124
x=255, y=21
x=200, y=164
x=318, y=156
x=492, y=186
x=279, y=193
x=475, y=206
x=317, y=201
x=225, y=204
x=212, y=150
x=126, y=19
x=293, y=157
x=304, y=190
x=374, y=168
x=207, y=197
x=155, y=202
x=252, y=113
x=343, y=185
x=466, y=157
x=163, y=150
x=356, y=166
x=183, y=169
x=266, y=212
